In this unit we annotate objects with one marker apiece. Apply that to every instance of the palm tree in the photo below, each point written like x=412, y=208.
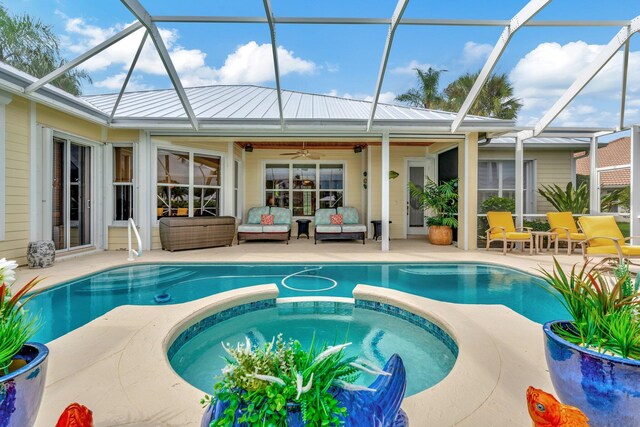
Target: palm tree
x=427, y=94
x=31, y=46
x=494, y=100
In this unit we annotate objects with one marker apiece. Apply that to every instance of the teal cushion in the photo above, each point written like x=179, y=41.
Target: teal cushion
x=354, y=228
x=349, y=215
x=281, y=215
x=254, y=215
x=249, y=228
x=278, y=228
x=328, y=229
x=323, y=216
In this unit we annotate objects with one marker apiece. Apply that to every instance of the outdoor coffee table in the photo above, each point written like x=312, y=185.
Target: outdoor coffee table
x=538, y=239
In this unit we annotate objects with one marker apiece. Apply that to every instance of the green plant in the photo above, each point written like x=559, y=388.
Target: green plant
x=536, y=225
x=618, y=197
x=442, y=199
x=261, y=381
x=498, y=204
x=17, y=326
x=606, y=318
x=621, y=272
x=569, y=199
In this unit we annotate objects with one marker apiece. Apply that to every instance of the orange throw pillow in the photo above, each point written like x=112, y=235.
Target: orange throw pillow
x=266, y=219
x=336, y=219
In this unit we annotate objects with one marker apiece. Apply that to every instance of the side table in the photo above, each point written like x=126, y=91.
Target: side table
x=538, y=239
x=377, y=228
x=303, y=227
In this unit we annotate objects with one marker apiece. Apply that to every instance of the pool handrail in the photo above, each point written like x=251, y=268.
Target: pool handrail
x=132, y=225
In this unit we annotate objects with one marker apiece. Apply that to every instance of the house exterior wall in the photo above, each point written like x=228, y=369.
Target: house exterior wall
x=254, y=176
x=60, y=121
x=17, y=134
x=397, y=186
x=551, y=167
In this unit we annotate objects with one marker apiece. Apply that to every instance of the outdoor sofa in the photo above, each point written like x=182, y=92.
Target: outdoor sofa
x=180, y=233
x=256, y=229
x=350, y=227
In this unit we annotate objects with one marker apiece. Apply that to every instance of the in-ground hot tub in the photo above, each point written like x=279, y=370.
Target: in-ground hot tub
x=376, y=330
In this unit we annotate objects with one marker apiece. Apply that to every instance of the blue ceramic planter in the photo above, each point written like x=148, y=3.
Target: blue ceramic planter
x=605, y=388
x=21, y=390
x=364, y=408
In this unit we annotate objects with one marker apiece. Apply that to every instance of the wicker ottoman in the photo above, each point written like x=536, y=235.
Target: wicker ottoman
x=180, y=233
x=41, y=253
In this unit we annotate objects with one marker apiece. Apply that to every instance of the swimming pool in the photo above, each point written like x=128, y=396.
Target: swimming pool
x=68, y=306
x=374, y=335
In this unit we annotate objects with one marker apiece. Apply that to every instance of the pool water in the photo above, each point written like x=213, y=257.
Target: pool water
x=374, y=335
x=68, y=306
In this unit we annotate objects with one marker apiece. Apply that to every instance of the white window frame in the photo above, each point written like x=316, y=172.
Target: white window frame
x=530, y=198
x=97, y=194
x=111, y=184
x=4, y=100
x=167, y=146
x=290, y=163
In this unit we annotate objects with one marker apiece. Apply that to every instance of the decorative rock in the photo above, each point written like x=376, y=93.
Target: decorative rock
x=41, y=254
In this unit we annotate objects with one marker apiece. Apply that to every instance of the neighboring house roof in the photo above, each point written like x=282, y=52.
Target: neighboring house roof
x=616, y=153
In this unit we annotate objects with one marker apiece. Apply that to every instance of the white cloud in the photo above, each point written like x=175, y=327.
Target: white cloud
x=253, y=63
x=473, y=52
x=410, y=68
x=250, y=63
x=385, y=97
x=545, y=73
x=115, y=82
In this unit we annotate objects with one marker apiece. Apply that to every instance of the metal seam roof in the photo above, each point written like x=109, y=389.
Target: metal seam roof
x=256, y=102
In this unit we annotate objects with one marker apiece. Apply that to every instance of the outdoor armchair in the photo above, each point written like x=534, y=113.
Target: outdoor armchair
x=604, y=238
x=502, y=229
x=565, y=226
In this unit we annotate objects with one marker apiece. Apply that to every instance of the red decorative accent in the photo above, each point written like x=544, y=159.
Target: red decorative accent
x=76, y=415
x=336, y=219
x=546, y=411
x=266, y=219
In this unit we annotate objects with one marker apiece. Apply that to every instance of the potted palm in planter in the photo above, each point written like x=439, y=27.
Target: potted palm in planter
x=594, y=359
x=23, y=365
x=442, y=200
x=280, y=384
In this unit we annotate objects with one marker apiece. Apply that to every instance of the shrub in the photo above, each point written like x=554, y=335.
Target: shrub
x=567, y=199
x=605, y=312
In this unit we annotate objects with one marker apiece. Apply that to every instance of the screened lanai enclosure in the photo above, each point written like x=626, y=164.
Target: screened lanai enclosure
x=209, y=146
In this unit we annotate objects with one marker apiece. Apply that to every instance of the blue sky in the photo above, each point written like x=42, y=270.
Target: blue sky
x=344, y=60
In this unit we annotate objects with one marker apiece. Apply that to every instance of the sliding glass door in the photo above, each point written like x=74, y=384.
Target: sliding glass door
x=71, y=198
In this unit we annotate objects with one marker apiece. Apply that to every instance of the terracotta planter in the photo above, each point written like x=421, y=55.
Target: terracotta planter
x=440, y=235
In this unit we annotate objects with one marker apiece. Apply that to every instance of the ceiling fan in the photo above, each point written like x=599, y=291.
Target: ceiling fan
x=303, y=153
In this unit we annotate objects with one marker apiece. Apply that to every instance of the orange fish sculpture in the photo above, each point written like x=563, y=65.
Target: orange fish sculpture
x=76, y=415
x=546, y=411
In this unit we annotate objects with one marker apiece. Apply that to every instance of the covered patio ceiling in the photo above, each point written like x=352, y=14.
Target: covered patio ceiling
x=373, y=121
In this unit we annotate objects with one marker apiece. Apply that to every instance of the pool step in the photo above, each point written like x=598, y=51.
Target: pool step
x=127, y=281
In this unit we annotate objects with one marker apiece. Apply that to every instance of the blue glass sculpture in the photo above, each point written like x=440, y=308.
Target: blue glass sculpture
x=364, y=408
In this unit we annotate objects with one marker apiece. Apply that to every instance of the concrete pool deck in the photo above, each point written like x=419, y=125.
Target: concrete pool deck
x=116, y=365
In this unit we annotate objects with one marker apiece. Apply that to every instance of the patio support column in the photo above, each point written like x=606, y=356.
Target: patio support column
x=519, y=181
x=146, y=194
x=594, y=202
x=5, y=98
x=229, y=179
x=635, y=183
x=468, y=192
x=385, y=191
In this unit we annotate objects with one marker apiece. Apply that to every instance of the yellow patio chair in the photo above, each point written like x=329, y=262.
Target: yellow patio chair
x=160, y=212
x=182, y=212
x=502, y=229
x=605, y=239
x=564, y=224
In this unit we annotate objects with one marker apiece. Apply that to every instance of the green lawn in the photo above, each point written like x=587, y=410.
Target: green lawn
x=625, y=227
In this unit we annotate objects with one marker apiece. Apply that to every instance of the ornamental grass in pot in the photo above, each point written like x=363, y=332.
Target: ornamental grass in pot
x=281, y=384
x=442, y=200
x=22, y=364
x=594, y=358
